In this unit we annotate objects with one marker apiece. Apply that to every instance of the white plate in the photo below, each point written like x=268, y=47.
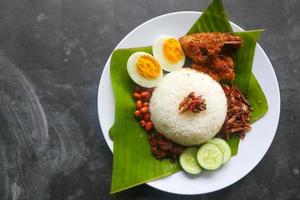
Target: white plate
x=251, y=150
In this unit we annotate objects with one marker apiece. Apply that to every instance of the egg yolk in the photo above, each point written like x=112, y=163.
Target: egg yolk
x=172, y=50
x=148, y=67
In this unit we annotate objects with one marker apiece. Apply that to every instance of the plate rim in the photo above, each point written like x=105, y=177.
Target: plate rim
x=107, y=63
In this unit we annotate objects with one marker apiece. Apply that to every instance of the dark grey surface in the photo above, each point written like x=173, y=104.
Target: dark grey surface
x=52, y=54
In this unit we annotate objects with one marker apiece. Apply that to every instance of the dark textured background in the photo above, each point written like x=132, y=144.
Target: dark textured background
x=52, y=54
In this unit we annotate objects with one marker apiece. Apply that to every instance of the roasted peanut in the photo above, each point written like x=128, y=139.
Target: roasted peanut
x=138, y=114
x=143, y=123
x=144, y=109
x=139, y=104
x=137, y=95
x=147, y=117
x=148, y=126
x=145, y=94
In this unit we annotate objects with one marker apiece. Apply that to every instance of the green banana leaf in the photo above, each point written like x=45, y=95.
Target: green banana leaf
x=133, y=163
x=214, y=19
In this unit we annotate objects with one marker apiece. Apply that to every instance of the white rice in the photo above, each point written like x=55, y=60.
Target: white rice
x=188, y=128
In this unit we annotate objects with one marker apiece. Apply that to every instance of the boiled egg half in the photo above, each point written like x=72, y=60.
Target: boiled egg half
x=167, y=50
x=144, y=69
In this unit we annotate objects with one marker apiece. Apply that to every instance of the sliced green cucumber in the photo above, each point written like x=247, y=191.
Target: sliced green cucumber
x=225, y=148
x=209, y=156
x=188, y=160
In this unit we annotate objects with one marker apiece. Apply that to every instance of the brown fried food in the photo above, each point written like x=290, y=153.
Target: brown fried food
x=200, y=46
x=206, y=70
x=218, y=67
x=192, y=103
x=162, y=148
x=238, y=113
x=223, y=66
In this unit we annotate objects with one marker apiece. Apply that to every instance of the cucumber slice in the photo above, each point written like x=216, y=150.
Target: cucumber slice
x=209, y=156
x=225, y=148
x=188, y=161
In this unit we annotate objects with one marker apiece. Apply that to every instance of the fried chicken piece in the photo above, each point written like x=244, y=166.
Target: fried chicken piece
x=218, y=67
x=223, y=66
x=206, y=70
x=200, y=46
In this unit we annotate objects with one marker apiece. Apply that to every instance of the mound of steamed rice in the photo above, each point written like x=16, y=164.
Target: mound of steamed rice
x=188, y=128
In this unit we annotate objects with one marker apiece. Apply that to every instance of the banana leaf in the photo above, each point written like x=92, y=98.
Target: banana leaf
x=133, y=163
x=214, y=19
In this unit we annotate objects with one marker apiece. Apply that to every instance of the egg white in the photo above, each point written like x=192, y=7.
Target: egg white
x=158, y=53
x=136, y=77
